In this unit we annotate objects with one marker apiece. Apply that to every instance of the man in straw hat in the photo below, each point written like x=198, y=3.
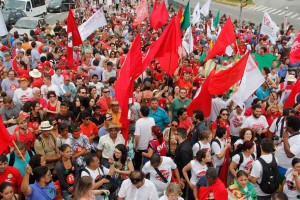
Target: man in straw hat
x=107, y=143
x=46, y=145
x=115, y=112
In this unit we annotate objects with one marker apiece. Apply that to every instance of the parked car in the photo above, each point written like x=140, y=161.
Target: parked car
x=25, y=24
x=60, y=5
x=32, y=8
x=12, y=16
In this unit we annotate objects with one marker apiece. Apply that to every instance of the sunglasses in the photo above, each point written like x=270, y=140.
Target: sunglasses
x=225, y=114
x=55, y=124
x=83, y=92
x=105, y=91
x=173, y=125
x=135, y=180
x=73, y=129
x=86, y=119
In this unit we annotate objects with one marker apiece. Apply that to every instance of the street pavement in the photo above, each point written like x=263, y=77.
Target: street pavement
x=255, y=13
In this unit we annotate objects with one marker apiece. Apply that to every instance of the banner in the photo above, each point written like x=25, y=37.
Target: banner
x=95, y=21
x=268, y=27
x=142, y=11
x=3, y=29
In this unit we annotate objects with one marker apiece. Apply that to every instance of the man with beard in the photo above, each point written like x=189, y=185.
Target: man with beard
x=23, y=132
x=199, y=125
x=43, y=188
x=258, y=123
x=159, y=115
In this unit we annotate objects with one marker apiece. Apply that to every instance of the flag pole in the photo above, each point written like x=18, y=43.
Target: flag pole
x=18, y=150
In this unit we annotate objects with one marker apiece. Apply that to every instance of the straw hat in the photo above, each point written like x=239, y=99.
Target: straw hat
x=35, y=73
x=45, y=126
x=112, y=126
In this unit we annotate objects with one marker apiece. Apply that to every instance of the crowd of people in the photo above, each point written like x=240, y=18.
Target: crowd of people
x=68, y=142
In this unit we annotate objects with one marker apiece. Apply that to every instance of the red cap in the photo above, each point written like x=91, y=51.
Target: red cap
x=63, y=58
x=24, y=115
x=4, y=48
x=67, y=77
x=187, y=70
x=46, y=63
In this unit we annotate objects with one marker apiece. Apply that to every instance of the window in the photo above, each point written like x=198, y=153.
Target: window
x=18, y=15
x=37, y=3
x=28, y=6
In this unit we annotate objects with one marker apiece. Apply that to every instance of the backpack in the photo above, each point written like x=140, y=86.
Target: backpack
x=270, y=180
x=281, y=128
x=217, y=141
x=242, y=160
x=12, y=157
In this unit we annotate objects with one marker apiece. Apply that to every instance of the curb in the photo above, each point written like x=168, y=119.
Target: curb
x=226, y=2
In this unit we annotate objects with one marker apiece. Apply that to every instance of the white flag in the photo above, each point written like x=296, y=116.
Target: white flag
x=196, y=14
x=109, y=3
x=251, y=81
x=268, y=27
x=95, y=21
x=205, y=8
x=188, y=41
x=3, y=29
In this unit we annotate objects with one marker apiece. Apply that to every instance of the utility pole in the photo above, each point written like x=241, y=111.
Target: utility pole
x=285, y=21
x=243, y=3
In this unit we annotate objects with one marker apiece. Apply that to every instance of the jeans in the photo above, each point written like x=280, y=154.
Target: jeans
x=66, y=195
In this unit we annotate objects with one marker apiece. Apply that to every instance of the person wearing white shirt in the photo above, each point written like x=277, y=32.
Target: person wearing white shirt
x=57, y=78
x=97, y=84
x=24, y=93
x=160, y=170
x=257, y=169
x=216, y=106
x=48, y=86
x=289, y=148
x=142, y=134
x=137, y=188
x=257, y=122
x=291, y=183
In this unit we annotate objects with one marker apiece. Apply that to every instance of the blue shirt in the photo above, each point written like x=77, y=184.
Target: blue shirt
x=282, y=72
x=102, y=131
x=38, y=192
x=262, y=93
x=19, y=163
x=160, y=116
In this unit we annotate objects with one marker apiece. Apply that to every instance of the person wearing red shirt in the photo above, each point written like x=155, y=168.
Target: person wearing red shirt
x=37, y=78
x=23, y=133
x=37, y=97
x=184, y=121
x=272, y=114
x=10, y=174
x=221, y=121
x=87, y=127
x=104, y=101
x=242, y=47
x=48, y=69
x=185, y=82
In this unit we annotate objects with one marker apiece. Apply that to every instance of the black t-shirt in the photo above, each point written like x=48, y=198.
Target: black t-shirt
x=96, y=121
x=65, y=118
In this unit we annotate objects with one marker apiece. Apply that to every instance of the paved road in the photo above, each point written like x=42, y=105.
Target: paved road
x=254, y=13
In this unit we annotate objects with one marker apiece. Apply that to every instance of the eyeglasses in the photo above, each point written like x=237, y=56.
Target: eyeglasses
x=86, y=119
x=105, y=91
x=225, y=114
x=74, y=129
x=135, y=180
x=173, y=125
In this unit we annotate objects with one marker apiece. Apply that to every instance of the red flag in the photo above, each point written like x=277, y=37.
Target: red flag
x=5, y=138
x=142, y=11
x=204, y=99
x=124, y=86
x=224, y=79
x=159, y=16
x=165, y=49
x=226, y=38
x=14, y=61
x=290, y=102
x=295, y=50
x=74, y=38
x=223, y=174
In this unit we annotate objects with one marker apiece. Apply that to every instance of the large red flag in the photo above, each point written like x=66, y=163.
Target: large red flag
x=203, y=100
x=226, y=38
x=224, y=79
x=74, y=38
x=125, y=83
x=295, y=50
x=5, y=138
x=165, y=49
x=290, y=102
x=142, y=11
x=159, y=16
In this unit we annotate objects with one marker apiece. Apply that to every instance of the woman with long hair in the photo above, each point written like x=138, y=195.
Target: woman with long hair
x=67, y=171
x=198, y=167
x=83, y=190
x=35, y=115
x=241, y=188
x=122, y=164
x=157, y=145
x=63, y=134
x=7, y=192
x=221, y=121
x=53, y=107
x=54, y=123
x=170, y=137
x=246, y=134
x=93, y=94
